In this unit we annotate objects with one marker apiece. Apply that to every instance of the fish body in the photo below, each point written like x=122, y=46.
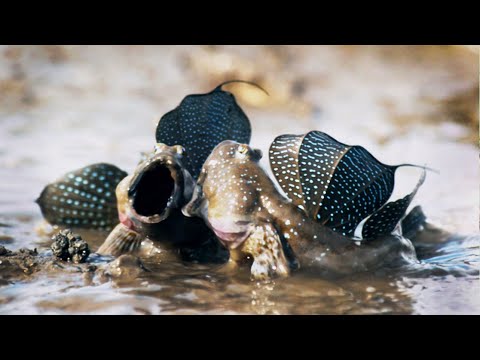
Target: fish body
x=147, y=203
x=244, y=208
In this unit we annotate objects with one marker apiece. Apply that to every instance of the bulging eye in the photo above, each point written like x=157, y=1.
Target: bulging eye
x=180, y=150
x=242, y=149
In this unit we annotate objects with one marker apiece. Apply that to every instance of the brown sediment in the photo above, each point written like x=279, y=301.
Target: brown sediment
x=462, y=107
x=22, y=264
x=68, y=246
x=451, y=94
x=5, y=239
x=18, y=264
x=125, y=268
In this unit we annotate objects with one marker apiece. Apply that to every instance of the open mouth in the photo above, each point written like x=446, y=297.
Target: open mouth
x=232, y=233
x=152, y=190
x=231, y=240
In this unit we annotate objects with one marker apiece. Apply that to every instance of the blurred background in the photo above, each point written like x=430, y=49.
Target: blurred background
x=63, y=107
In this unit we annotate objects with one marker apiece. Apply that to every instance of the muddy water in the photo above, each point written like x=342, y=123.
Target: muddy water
x=63, y=108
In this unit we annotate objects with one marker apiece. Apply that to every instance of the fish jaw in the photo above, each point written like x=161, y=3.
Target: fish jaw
x=231, y=240
x=231, y=233
x=126, y=220
x=158, y=185
x=123, y=204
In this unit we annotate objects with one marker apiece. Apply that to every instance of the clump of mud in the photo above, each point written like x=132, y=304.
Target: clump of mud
x=70, y=253
x=18, y=263
x=70, y=247
x=24, y=263
x=124, y=268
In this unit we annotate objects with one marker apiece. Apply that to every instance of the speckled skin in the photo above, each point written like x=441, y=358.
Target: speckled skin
x=202, y=121
x=170, y=224
x=243, y=207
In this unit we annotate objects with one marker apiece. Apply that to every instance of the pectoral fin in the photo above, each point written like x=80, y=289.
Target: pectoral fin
x=269, y=260
x=121, y=240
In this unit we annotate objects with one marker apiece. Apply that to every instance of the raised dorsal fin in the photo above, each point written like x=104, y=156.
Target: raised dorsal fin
x=339, y=184
x=283, y=155
x=200, y=123
x=383, y=221
x=83, y=198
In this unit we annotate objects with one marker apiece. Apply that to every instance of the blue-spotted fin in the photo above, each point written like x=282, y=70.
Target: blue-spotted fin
x=149, y=203
x=143, y=204
x=338, y=185
x=242, y=205
x=201, y=121
x=84, y=198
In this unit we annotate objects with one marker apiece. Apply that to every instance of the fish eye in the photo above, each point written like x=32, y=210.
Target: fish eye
x=242, y=149
x=180, y=150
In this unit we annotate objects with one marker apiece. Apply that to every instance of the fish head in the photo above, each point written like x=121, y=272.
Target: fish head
x=159, y=184
x=227, y=192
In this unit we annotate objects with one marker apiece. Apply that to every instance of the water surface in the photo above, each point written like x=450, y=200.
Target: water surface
x=62, y=108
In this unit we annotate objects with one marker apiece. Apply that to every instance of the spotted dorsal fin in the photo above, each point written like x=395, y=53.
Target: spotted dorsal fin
x=283, y=155
x=383, y=221
x=83, y=198
x=340, y=184
x=200, y=123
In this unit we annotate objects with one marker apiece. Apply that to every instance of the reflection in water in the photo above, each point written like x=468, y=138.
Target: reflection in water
x=58, y=114
x=261, y=298
x=175, y=288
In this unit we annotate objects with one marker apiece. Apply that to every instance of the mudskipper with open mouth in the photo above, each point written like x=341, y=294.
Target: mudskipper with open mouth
x=149, y=200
